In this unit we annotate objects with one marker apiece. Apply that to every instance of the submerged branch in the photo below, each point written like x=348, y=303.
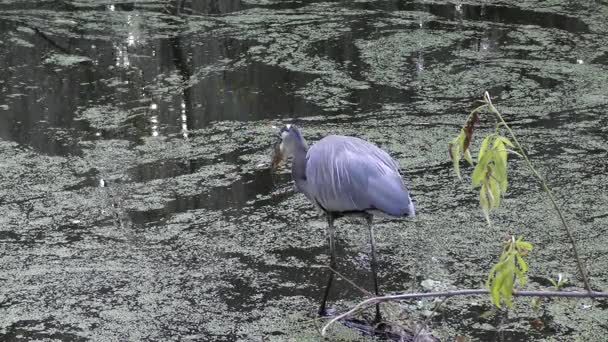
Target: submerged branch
x=465, y=292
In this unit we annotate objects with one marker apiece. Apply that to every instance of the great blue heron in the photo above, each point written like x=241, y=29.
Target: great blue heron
x=345, y=176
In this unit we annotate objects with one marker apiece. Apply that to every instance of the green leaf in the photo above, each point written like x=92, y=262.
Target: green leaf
x=491, y=275
x=484, y=146
x=507, y=290
x=480, y=171
x=484, y=203
x=494, y=191
x=502, y=276
x=511, y=267
x=535, y=302
x=500, y=176
x=456, y=145
x=504, y=140
x=522, y=263
x=524, y=244
x=494, y=270
x=483, y=198
x=495, y=288
x=500, y=164
x=467, y=157
x=495, y=295
x=456, y=158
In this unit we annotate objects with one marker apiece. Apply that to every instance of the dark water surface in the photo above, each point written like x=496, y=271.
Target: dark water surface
x=171, y=105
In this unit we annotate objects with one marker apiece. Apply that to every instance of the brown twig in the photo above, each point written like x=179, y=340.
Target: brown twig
x=352, y=283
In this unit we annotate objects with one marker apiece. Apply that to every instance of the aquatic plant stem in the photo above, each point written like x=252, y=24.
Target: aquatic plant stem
x=352, y=283
x=453, y=293
x=545, y=187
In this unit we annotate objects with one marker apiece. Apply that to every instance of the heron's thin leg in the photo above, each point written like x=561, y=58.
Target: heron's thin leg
x=374, y=264
x=332, y=262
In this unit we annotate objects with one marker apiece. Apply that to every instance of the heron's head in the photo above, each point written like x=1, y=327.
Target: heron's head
x=290, y=141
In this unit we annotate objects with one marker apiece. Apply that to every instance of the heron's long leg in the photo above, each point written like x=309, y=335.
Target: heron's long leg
x=374, y=264
x=332, y=262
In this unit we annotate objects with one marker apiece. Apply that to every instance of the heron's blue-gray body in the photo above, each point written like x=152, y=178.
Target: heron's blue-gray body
x=343, y=174
x=346, y=175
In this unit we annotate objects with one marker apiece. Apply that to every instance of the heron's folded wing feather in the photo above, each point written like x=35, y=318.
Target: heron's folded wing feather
x=349, y=174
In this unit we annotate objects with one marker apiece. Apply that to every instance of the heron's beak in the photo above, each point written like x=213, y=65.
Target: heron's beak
x=277, y=155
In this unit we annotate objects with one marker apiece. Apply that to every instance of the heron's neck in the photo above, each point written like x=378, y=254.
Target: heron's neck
x=298, y=167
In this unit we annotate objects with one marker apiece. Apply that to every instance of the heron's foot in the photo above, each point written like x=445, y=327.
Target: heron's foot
x=327, y=312
x=380, y=326
x=366, y=327
x=378, y=321
x=375, y=321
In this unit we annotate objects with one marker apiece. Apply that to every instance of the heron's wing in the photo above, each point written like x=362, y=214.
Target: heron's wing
x=350, y=174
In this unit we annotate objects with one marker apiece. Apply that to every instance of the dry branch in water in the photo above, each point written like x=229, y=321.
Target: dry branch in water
x=466, y=292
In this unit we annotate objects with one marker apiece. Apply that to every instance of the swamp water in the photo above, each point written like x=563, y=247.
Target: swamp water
x=170, y=106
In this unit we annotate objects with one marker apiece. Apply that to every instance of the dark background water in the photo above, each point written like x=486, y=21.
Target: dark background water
x=171, y=105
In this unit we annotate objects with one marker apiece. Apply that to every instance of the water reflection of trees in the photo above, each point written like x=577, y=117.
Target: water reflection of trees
x=206, y=6
x=135, y=49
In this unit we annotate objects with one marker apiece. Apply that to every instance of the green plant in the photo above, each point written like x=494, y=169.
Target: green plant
x=559, y=282
x=510, y=267
x=490, y=173
x=490, y=176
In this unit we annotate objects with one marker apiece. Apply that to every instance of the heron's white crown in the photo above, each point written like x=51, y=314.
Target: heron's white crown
x=284, y=133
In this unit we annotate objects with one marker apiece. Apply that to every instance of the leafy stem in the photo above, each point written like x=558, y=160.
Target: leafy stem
x=511, y=266
x=488, y=103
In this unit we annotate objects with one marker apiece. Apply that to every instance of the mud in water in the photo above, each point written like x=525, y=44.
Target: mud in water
x=137, y=201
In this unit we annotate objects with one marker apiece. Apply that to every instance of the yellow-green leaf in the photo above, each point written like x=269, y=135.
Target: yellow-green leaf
x=479, y=173
x=467, y=157
x=495, y=191
x=522, y=263
x=456, y=158
x=525, y=244
x=495, y=295
x=507, y=289
x=510, y=268
x=484, y=147
x=484, y=202
x=496, y=287
x=505, y=141
x=535, y=302
x=491, y=275
x=456, y=145
x=500, y=163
